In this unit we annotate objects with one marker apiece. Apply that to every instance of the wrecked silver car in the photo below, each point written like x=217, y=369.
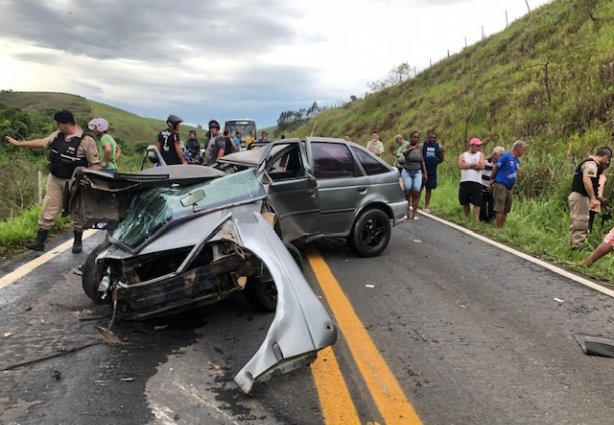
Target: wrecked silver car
x=186, y=236
x=322, y=187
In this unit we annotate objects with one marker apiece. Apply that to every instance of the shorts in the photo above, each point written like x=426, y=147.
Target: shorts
x=609, y=238
x=470, y=193
x=412, y=180
x=502, y=197
x=431, y=182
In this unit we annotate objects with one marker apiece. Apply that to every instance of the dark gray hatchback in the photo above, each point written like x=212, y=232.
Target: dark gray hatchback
x=326, y=187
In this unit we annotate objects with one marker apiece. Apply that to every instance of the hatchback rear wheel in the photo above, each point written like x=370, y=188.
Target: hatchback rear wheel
x=370, y=234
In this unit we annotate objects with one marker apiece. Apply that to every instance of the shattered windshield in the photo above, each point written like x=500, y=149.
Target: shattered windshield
x=150, y=210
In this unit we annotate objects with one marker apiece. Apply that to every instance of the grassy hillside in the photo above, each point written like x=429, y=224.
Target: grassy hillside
x=126, y=126
x=548, y=79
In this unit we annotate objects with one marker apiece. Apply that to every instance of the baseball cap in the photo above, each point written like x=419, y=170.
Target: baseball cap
x=475, y=142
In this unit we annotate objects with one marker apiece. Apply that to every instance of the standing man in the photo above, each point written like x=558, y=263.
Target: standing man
x=169, y=143
x=237, y=140
x=487, y=212
x=471, y=164
x=192, y=148
x=107, y=146
x=229, y=147
x=217, y=143
x=399, y=158
x=69, y=148
x=249, y=140
x=503, y=178
x=375, y=145
x=584, y=194
x=433, y=156
x=263, y=138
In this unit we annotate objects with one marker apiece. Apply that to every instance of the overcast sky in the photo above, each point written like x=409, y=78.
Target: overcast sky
x=231, y=59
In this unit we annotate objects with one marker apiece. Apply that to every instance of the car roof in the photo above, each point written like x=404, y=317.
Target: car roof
x=253, y=157
x=250, y=157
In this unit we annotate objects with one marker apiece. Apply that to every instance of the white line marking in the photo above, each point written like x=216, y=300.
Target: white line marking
x=552, y=268
x=38, y=261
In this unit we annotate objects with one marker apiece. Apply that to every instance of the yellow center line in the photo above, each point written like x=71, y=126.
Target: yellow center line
x=38, y=261
x=383, y=386
x=335, y=400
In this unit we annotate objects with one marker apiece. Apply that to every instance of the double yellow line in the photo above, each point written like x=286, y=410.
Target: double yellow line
x=335, y=399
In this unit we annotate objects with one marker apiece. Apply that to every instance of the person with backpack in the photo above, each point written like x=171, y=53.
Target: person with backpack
x=69, y=147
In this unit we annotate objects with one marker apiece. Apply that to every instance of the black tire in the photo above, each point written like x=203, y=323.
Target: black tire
x=296, y=254
x=92, y=274
x=371, y=233
x=261, y=293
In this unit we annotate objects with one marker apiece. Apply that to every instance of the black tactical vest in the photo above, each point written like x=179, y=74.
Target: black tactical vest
x=63, y=156
x=578, y=186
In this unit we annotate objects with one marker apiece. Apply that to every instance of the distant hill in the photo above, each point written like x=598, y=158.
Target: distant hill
x=548, y=78
x=126, y=126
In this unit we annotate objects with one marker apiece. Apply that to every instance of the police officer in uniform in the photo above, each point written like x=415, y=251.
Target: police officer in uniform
x=584, y=194
x=69, y=147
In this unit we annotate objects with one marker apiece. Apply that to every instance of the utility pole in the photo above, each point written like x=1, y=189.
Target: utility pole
x=482, y=32
x=506, y=21
x=527, y=3
x=430, y=62
x=465, y=41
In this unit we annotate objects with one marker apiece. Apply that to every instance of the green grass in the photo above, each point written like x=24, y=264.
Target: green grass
x=538, y=227
x=15, y=232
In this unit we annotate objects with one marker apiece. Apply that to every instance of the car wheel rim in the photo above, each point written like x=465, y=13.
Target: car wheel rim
x=373, y=233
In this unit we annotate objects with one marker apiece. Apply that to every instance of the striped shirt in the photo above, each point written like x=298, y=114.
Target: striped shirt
x=486, y=172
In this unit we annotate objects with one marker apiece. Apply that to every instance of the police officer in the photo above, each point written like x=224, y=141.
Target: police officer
x=584, y=194
x=69, y=147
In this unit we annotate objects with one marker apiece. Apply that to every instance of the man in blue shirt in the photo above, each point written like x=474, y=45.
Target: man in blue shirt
x=432, y=152
x=503, y=178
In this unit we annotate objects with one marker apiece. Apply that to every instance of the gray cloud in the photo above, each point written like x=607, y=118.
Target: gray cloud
x=154, y=30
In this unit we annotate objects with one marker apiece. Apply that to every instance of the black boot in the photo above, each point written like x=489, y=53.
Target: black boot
x=77, y=246
x=39, y=243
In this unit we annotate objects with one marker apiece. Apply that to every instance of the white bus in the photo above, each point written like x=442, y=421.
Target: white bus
x=245, y=126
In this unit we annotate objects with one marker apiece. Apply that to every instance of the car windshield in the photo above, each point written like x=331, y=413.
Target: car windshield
x=151, y=210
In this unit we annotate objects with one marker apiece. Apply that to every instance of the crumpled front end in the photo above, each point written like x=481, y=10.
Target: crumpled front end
x=226, y=249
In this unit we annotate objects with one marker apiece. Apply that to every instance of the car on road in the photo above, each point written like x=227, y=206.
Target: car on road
x=326, y=187
x=180, y=237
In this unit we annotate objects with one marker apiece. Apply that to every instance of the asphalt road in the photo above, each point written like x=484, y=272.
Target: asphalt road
x=471, y=334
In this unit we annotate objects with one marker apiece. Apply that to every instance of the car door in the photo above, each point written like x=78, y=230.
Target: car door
x=293, y=190
x=341, y=185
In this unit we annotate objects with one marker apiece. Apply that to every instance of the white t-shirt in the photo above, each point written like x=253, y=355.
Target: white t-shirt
x=472, y=175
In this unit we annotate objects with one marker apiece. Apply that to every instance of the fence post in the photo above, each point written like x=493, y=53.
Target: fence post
x=39, y=186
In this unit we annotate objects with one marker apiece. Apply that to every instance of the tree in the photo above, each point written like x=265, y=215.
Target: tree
x=401, y=70
x=313, y=110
